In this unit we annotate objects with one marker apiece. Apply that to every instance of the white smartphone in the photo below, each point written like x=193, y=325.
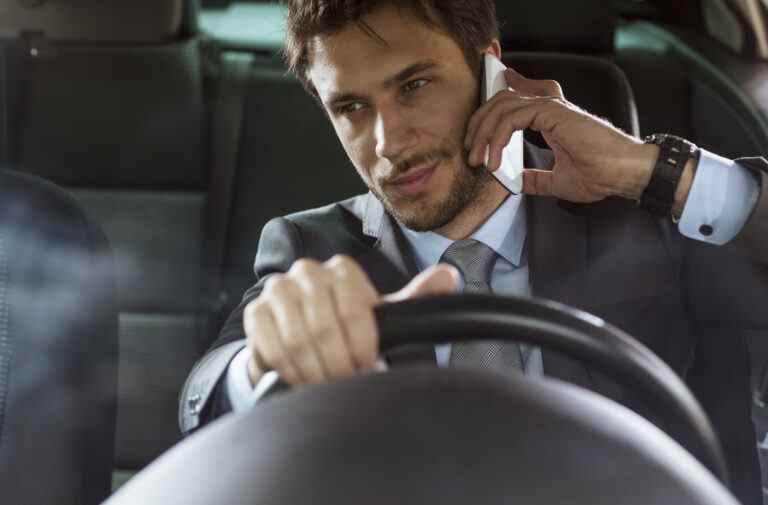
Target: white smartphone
x=510, y=173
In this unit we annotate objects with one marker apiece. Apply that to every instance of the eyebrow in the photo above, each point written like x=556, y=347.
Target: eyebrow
x=403, y=75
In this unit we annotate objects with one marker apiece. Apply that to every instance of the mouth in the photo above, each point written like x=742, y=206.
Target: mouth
x=415, y=181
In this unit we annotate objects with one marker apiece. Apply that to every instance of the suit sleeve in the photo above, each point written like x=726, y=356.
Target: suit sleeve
x=754, y=236
x=723, y=287
x=203, y=397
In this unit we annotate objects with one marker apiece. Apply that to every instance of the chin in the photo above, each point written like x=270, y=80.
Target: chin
x=429, y=211
x=422, y=216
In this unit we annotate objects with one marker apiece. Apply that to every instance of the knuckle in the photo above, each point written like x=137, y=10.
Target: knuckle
x=338, y=259
x=253, y=309
x=295, y=347
x=314, y=296
x=304, y=266
x=255, y=312
x=343, y=260
x=281, y=286
x=551, y=86
x=271, y=281
x=324, y=335
x=290, y=376
x=275, y=361
x=508, y=93
x=354, y=313
x=345, y=267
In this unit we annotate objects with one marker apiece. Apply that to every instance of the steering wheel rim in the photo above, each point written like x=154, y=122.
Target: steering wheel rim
x=551, y=325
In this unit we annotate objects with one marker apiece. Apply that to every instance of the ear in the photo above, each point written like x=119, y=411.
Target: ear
x=494, y=48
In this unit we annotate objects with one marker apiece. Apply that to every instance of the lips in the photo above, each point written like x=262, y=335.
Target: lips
x=414, y=182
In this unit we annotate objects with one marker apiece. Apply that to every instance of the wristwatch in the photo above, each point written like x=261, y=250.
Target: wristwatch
x=659, y=196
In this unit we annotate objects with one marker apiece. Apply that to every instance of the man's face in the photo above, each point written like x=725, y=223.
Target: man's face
x=400, y=108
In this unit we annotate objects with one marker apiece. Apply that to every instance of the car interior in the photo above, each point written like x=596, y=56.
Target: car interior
x=175, y=128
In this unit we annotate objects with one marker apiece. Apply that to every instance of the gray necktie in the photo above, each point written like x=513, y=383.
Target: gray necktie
x=475, y=261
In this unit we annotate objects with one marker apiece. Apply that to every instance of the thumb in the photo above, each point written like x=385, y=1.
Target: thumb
x=538, y=182
x=436, y=280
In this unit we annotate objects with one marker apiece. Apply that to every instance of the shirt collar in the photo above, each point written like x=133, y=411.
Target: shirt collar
x=504, y=232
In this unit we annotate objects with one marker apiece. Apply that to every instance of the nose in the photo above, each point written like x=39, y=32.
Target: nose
x=394, y=134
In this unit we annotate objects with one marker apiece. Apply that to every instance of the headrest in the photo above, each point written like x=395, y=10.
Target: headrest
x=586, y=26
x=595, y=84
x=142, y=21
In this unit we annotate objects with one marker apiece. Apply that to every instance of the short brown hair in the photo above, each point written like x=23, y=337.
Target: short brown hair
x=471, y=23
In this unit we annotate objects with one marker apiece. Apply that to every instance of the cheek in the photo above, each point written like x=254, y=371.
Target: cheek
x=360, y=152
x=447, y=115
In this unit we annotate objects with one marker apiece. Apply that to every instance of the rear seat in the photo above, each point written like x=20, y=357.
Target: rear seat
x=677, y=90
x=113, y=109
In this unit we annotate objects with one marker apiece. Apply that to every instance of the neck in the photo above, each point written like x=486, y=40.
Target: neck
x=477, y=212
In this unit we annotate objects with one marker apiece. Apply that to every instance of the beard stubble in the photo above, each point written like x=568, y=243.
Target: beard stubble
x=422, y=215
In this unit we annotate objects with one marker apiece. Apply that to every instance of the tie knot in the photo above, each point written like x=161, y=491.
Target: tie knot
x=474, y=260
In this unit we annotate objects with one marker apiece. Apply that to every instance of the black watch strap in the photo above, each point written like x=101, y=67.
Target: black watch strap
x=659, y=197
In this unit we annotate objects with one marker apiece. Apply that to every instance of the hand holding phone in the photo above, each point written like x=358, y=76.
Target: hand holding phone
x=510, y=173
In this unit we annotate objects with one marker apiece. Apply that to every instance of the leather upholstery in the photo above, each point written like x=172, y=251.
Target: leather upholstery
x=101, y=21
x=58, y=348
x=122, y=128
x=586, y=26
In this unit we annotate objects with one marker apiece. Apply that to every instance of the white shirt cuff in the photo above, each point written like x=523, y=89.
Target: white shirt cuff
x=239, y=388
x=721, y=199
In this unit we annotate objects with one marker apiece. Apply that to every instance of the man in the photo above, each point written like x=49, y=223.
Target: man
x=399, y=82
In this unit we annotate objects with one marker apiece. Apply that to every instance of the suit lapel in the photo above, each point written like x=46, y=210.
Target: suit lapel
x=394, y=265
x=557, y=241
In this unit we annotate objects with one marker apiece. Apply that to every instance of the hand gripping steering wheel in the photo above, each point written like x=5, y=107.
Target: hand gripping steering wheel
x=462, y=318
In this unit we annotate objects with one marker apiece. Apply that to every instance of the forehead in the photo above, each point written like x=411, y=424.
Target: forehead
x=357, y=60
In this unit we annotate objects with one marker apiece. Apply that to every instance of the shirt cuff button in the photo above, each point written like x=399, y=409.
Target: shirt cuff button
x=706, y=230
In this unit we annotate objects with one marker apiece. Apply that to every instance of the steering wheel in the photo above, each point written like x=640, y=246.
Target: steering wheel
x=580, y=335
x=422, y=434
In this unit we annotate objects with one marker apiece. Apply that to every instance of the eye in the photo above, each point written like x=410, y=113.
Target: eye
x=349, y=108
x=411, y=86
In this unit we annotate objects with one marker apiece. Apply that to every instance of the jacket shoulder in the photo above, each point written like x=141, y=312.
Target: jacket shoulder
x=332, y=229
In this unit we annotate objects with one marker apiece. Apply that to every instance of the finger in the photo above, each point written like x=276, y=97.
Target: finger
x=436, y=280
x=263, y=337
x=490, y=124
x=287, y=308
x=354, y=298
x=538, y=182
x=539, y=114
x=501, y=138
x=322, y=320
x=479, y=115
x=536, y=87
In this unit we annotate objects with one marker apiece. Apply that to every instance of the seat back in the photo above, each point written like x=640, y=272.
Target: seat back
x=58, y=348
x=112, y=108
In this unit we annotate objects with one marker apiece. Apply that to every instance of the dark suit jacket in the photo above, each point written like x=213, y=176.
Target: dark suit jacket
x=687, y=301
x=754, y=236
